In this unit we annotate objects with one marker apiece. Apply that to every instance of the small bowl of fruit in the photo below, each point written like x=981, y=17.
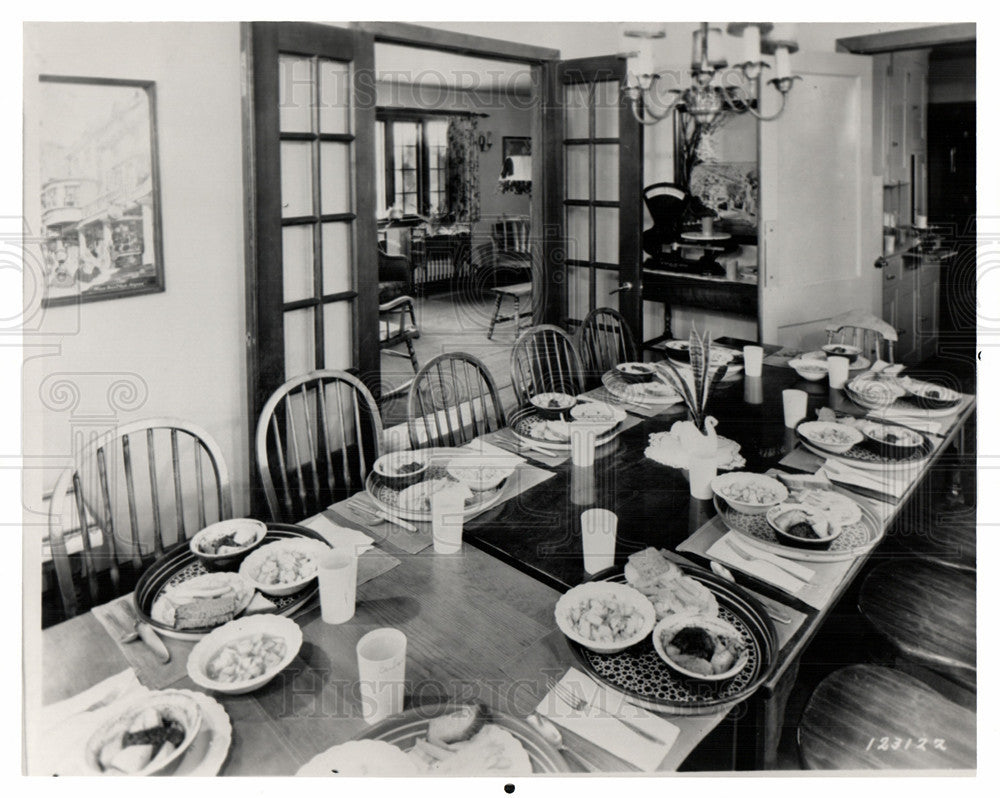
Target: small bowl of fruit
x=802, y=526
x=553, y=405
x=223, y=545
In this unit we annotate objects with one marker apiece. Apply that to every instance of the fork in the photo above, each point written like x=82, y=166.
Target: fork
x=725, y=573
x=360, y=507
x=580, y=704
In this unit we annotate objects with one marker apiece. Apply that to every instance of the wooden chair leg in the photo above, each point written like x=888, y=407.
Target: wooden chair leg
x=493, y=321
x=413, y=356
x=517, y=316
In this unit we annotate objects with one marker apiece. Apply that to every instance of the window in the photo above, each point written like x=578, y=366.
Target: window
x=412, y=162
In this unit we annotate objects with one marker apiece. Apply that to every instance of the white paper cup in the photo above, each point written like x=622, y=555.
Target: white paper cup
x=920, y=222
x=753, y=360
x=381, y=673
x=838, y=368
x=795, y=403
x=706, y=225
x=581, y=486
x=702, y=469
x=338, y=586
x=447, y=521
x=582, y=441
x=599, y=529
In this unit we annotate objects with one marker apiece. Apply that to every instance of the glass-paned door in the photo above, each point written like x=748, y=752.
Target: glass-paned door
x=313, y=282
x=601, y=212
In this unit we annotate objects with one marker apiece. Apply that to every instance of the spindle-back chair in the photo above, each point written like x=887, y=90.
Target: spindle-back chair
x=453, y=399
x=317, y=437
x=544, y=359
x=143, y=487
x=604, y=340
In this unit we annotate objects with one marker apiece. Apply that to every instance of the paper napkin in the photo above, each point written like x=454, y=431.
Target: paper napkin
x=768, y=572
x=608, y=732
x=339, y=537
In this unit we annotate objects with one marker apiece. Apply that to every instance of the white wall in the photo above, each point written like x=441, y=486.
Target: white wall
x=181, y=352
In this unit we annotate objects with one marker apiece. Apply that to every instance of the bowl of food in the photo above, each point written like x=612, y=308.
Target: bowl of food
x=601, y=416
x=803, y=526
x=145, y=739
x=830, y=436
x=929, y=396
x=809, y=369
x=874, y=391
x=678, y=350
x=606, y=617
x=223, y=545
x=245, y=654
x=553, y=405
x=852, y=353
x=480, y=474
x=892, y=441
x=283, y=567
x=749, y=493
x=635, y=372
x=403, y=468
x=702, y=647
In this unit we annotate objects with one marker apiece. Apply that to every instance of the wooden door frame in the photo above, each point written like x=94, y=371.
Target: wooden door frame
x=546, y=122
x=630, y=171
x=259, y=41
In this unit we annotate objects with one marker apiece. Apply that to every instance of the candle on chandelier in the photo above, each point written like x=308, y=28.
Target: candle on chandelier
x=782, y=63
x=751, y=44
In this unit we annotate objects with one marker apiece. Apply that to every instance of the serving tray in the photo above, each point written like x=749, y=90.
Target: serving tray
x=865, y=457
x=654, y=393
x=525, y=422
x=404, y=729
x=643, y=678
x=178, y=565
x=386, y=497
x=856, y=538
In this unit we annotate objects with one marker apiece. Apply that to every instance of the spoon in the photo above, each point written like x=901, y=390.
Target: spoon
x=551, y=732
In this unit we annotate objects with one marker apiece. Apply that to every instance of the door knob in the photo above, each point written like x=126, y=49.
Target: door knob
x=621, y=287
x=881, y=263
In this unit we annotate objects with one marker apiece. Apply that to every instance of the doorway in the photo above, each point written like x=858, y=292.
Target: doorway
x=453, y=141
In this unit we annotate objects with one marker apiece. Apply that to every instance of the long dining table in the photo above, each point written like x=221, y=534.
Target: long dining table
x=480, y=624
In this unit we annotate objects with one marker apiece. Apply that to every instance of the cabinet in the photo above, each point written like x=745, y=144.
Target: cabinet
x=899, y=117
x=910, y=289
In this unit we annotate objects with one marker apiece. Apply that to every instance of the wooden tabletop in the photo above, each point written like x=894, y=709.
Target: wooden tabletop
x=479, y=624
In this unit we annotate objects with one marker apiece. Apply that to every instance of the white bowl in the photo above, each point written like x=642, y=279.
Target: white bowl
x=852, y=353
x=210, y=645
x=873, y=392
x=250, y=567
x=604, y=590
x=479, y=474
x=601, y=416
x=745, y=479
x=830, y=531
x=542, y=403
x=177, y=705
x=220, y=530
x=809, y=369
x=387, y=467
x=672, y=624
x=813, y=431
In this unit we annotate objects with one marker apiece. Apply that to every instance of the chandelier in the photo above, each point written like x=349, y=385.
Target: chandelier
x=713, y=90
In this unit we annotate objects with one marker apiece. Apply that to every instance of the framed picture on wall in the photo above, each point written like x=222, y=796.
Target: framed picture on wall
x=99, y=189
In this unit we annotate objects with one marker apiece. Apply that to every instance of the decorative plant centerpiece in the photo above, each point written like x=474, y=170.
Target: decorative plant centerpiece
x=697, y=434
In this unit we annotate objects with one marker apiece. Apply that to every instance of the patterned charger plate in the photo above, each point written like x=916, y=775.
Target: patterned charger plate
x=655, y=392
x=638, y=673
x=404, y=729
x=526, y=423
x=865, y=457
x=856, y=538
x=387, y=499
x=178, y=565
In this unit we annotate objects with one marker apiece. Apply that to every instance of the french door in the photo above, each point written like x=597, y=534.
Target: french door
x=599, y=203
x=312, y=273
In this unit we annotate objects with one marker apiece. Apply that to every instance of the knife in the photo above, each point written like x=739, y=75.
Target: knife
x=147, y=634
x=791, y=568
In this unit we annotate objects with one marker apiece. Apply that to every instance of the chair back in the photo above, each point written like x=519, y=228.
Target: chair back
x=317, y=437
x=604, y=340
x=453, y=399
x=513, y=234
x=131, y=494
x=865, y=331
x=544, y=359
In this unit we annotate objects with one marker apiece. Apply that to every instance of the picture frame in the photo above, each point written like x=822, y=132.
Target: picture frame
x=99, y=189
x=515, y=172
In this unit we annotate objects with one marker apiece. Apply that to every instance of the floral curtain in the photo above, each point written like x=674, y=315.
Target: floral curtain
x=463, y=169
